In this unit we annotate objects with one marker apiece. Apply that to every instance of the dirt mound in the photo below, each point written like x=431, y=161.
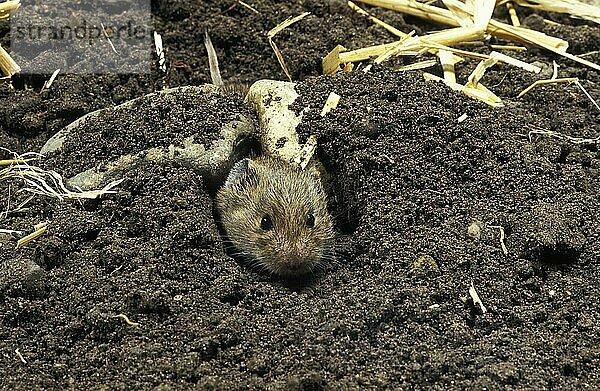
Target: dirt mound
x=417, y=194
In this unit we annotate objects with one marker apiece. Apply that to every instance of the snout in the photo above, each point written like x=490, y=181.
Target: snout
x=297, y=259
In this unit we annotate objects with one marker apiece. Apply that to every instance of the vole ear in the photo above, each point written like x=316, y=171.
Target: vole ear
x=242, y=175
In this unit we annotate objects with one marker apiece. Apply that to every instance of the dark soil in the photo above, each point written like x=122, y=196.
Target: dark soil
x=417, y=196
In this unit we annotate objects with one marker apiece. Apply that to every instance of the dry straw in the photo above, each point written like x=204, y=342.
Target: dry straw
x=576, y=9
x=8, y=66
x=271, y=34
x=7, y=8
x=470, y=22
x=49, y=183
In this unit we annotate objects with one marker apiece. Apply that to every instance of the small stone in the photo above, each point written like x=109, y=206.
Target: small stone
x=21, y=277
x=424, y=266
x=474, y=230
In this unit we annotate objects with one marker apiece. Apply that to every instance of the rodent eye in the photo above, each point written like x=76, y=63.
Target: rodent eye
x=310, y=220
x=266, y=224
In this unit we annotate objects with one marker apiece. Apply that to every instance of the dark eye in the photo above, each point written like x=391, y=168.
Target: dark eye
x=266, y=224
x=310, y=220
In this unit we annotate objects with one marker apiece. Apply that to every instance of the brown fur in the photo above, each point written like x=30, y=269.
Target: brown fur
x=269, y=186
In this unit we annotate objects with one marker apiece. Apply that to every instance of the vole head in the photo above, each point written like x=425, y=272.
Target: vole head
x=276, y=216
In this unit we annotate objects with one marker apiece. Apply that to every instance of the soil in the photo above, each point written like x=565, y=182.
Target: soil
x=418, y=195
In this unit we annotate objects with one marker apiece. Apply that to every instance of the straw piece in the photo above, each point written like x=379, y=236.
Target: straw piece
x=280, y=59
x=8, y=66
x=572, y=7
x=420, y=10
x=213, y=61
x=7, y=8
x=587, y=94
x=482, y=13
x=560, y=136
x=363, y=53
x=10, y=232
x=446, y=17
x=413, y=45
x=417, y=65
x=286, y=23
x=462, y=118
x=547, y=81
x=480, y=92
x=248, y=6
x=377, y=21
x=561, y=51
x=503, y=30
x=508, y=47
x=512, y=12
x=495, y=28
x=388, y=27
x=452, y=36
x=464, y=53
x=20, y=356
x=126, y=319
x=331, y=103
x=475, y=297
x=479, y=71
x=331, y=62
x=502, y=245
x=40, y=229
x=513, y=61
x=160, y=51
x=48, y=83
x=447, y=65
x=463, y=16
x=551, y=22
x=396, y=49
x=8, y=162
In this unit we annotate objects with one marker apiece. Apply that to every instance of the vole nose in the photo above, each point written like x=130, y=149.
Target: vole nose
x=296, y=257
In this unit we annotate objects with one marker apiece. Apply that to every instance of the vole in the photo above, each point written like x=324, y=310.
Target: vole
x=275, y=216
x=274, y=213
